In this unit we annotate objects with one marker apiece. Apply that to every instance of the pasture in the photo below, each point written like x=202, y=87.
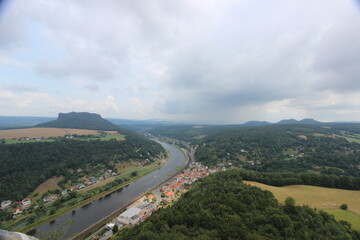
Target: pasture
x=328, y=199
x=352, y=218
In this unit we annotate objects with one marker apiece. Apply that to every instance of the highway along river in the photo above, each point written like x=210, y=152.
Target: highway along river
x=85, y=216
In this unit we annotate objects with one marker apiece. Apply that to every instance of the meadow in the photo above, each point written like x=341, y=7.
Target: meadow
x=328, y=199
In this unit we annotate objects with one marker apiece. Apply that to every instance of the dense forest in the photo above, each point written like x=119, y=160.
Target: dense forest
x=306, y=178
x=82, y=120
x=222, y=207
x=25, y=165
x=276, y=148
x=192, y=133
x=189, y=133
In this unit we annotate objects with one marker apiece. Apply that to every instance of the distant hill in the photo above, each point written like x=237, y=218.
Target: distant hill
x=255, y=123
x=188, y=132
x=306, y=121
x=81, y=120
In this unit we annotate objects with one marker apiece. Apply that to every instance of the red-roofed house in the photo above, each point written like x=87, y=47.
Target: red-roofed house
x=169, y=195
x=18, y=211
x=150, y=197
x=87, y=182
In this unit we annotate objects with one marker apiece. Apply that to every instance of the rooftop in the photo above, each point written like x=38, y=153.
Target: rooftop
x=168, y=194
x=130, y=212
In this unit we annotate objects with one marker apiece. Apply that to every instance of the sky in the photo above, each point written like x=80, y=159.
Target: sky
x=205, y=61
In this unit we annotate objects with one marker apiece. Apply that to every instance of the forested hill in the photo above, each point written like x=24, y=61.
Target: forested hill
x=82, y=120
x=222, y=207
x=189, y=133
x=294, y=148
x=26, y=165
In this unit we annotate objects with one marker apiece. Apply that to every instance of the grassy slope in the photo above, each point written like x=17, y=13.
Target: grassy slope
x=352, y=218
x=328, y=199
x=50, y=184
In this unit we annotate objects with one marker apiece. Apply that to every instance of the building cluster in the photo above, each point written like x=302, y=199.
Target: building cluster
x=17, y=207
x=87, y=182
x=181, y=182
x=142, y=209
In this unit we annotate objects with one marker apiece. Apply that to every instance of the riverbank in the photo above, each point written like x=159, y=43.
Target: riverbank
x=113, y=215
x=64, y=210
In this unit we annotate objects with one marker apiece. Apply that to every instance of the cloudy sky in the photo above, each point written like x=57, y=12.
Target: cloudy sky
x=211, y=61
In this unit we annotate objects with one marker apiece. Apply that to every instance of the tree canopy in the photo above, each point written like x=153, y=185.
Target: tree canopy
x=277, y=148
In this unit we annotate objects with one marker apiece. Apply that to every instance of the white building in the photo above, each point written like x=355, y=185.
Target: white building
x=130, y=216
x=26, y=202
x=5, y=204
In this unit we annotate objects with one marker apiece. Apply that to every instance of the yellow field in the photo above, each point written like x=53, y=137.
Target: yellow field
x=50, y=184
x=44, y=132
x=316, y=197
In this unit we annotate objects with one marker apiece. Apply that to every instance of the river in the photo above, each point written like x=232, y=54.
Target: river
x=85, y=216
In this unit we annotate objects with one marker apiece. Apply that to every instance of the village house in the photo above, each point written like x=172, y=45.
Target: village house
x=26, y=202
x=5, y=204
x=71, y=188
x=17, y=211
x=80, y=186
x=50, y=198
x=169, y=196
x=150, y=197
x=175, y=186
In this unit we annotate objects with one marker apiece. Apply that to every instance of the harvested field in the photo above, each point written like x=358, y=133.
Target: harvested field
x=44, y=132
x=50, y=184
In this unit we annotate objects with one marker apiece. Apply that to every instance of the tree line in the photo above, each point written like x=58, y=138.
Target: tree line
x=280, y=179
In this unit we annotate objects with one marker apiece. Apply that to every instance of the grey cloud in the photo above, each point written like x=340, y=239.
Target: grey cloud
x=202, y=56
x=92, y=87
x=337, y=57
x=12, y=27
x=93, y=67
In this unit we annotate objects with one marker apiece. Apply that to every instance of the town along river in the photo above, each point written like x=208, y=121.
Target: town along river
x=84, y=217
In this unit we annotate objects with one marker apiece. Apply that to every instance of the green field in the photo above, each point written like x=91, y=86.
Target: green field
x=352, y=139
x=119, y=137
x=348, y=216
x=13, y=141
x=328, y=199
